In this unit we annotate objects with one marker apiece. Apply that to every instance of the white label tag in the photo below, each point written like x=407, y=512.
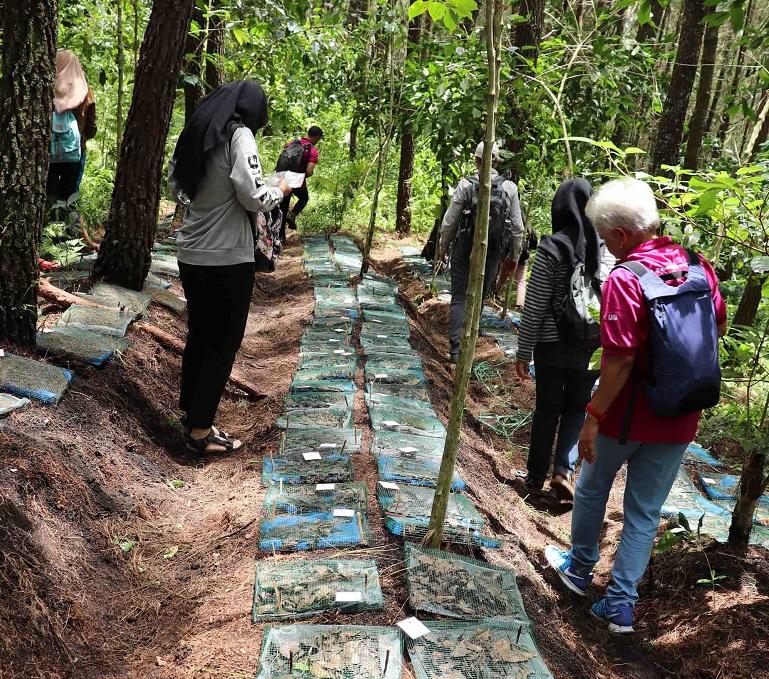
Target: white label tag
x=374, y=320
x=303, y=387
x=408, y=449
x=413, y=628
x=678, y=529
x=344, y=513
x=335, y=340
x=347, y=353
x=328, y=445
x=325, y=486
x=709, y=481
x=388, y=485
x=390, y=423
x=382, y=336
x=348, y=597
x=2, y=353
x=338, y=329
x=339, y=351
x=312, y=455
x=380, y=376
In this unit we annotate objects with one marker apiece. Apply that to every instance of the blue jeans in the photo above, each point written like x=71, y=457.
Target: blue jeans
x=651, y=471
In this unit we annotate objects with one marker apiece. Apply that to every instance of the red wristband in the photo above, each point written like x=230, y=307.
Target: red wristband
x=599, y=417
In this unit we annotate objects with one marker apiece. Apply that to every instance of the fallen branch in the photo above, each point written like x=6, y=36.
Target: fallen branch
x=59, y=297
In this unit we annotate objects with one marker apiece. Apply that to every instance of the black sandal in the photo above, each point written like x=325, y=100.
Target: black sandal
x=215, y=437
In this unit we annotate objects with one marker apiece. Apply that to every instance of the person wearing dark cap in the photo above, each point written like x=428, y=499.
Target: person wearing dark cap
x=217, y=173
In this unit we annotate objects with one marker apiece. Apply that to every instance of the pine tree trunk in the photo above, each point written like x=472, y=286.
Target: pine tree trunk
x=193, y=47
x=474, y=305
x=759, y=134
x=716, y=100
x=27, y=69
x=671, y=126
x=750, y=301
x=215, y=49
x=405, y=174
x=753, y=482
x=700, y=112
x=734, y=85
x=649, y=30
x=124, y=257
x=120, y=76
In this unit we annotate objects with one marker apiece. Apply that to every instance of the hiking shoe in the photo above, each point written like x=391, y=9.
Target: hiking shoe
x=619, y=618
x=452, y=357
x=562, y=488
x=560, y=560
x=534, y=486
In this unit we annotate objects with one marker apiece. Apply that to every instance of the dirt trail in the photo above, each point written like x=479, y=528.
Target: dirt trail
x=123, y=559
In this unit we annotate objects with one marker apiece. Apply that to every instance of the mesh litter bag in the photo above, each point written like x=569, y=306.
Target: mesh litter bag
x=400, y=403
x=115, y=296
x=415, y=470
x=324, y=339
x=328, y=353
x=301, y=589
x=343, y=296
x=477, y=650
x=329, y=440
x=696, y=454
x=490, y=319
x=82, y=345
x=405, y=421
x=397, y=315
x=374, y=389
x=346, y=386
x=379, y=361
x=460, y=587
x=26, y=378
x=169, y=300
x=373, y=328
x=378, y=286
x=339, y=324
x=410, y=377
x=407, y=513
x=329, y=360
x=760, y=516
x=153, y=282
x=10, y=403
x=318, y=399
x=299, y=518
x=313, y=418
x=387, y=343
x=393, y=443
x=105, y=321
x=325, y=309
x=389, y=308
x=295, y=470
x=371, y=301
x=67, y=279
x=164, y=264
x=334, y=371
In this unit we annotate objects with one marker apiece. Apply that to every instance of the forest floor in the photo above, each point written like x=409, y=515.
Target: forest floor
x=120, y=557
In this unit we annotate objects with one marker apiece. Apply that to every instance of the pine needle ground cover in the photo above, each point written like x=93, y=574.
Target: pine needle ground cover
x=295, y=470
x=26, y=378
x=302, y=518
x=460, y=587
x=297, y=589
x=494, y=650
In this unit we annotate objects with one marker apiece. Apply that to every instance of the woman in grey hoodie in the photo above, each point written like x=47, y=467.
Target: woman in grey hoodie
x=217, y=172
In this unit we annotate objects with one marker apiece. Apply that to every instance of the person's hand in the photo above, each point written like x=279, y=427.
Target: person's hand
x=522, y=370
x=283, y=186
x=586, y=443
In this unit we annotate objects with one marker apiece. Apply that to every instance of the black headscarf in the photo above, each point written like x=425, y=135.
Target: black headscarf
x=241, y=103
x=574, y=237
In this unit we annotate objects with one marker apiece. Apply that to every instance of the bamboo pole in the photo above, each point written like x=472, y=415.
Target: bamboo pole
x=474, y=306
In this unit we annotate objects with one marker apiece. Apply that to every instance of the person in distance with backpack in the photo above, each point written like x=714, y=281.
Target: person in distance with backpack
x=661, y=315
x=560, y=340
x=299, y=155
x=216, y=172
x=456, y=234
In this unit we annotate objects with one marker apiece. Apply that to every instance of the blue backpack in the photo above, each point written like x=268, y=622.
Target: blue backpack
x=684, y=375
x=65, y=138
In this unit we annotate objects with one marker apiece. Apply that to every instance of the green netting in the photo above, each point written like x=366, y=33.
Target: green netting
x=696, y=454
x=318, y=399
x=414, y=469
x=153, y=282
x=326, y=309
x=307, y=440
x=380, y=306
x=477, y=650
x=117, y=297
x=382, y=362
x=300, y=518
x=169, y=300
x=301, y=589
x=10, y=403
x=397, y=315
x=397, y=402
x=321, y=336
x=393, y=443
x=377, y=285
x=327, y=353
x=163, y=263
x=400, y=391
x=389, y=343
x=407, y=513
x=67, y=279
x=313, y=418
x=343, y=296
x=81, y=345
x=330, y=360
x=387, y=417
x=106, y=321
x=340, y=324
x=457, y=586
x=374, y=331
x=334, y=371
x=293, y=469
x=33, y=379
x=345, y=386
x=412, y=377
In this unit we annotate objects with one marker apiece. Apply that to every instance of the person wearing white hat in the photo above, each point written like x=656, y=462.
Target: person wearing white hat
x=456, y=235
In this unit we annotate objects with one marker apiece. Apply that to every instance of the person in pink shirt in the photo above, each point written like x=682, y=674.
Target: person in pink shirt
x=309, y=161
x=622, y=426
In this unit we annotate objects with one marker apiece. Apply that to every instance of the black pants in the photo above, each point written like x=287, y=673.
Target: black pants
x=218, y=301
x=302, y=197
x=564, y=385
x=62, y=180
x=460, y=274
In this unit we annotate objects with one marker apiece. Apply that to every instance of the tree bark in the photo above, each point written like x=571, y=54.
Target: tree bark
x=649, y=30
x=124, y=257
x=759, y=134
x=27, y=69
x=750, y=301
x=215, y=48
x=120, y=76
x=671, y=125
x=716, y=100
x=494, y=11
x=753, y=483
x=702, y=104
x=734, y=85
x=193, y=71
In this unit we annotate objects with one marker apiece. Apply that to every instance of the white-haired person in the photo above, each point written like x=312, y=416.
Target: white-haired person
x=456, y=234
x=640, y=415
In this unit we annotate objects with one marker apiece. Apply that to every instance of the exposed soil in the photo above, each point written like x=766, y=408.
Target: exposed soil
x=121, y=557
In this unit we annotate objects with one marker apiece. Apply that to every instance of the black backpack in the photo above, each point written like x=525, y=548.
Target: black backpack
x=293, y=157
x=578, y=320
x=500, y=222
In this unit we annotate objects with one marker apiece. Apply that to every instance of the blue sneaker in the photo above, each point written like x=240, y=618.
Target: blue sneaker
x=619, y=618
x=560, y=560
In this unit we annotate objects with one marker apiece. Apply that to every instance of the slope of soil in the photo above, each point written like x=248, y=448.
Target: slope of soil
x=120, y=557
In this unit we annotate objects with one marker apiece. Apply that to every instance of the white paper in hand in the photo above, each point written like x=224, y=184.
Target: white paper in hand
x=413, y=628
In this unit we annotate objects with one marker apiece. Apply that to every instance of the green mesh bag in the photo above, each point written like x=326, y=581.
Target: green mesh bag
x=329, y=360
x=10, y=403
x=393, y=443
x=81, y=345
x=120, y=298
x=421, y=423
x=389, y=343
x=343, y=296
x=399, y=403
x=456, y=586
x=369, y=329
x=302, y=589
x=293, y=469
x=318, y=399
x=410, y=377
x=398, y=390
x=26, y=378
x=346, y=386
x=313, y=418
x=396, y=315
x=382, y=362
x=477, y=650
x=331, y=371
x=329, y=440
x=105, y=321
x=338, y=324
